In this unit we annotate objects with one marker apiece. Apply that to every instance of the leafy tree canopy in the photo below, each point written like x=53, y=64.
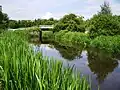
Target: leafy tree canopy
x=105, y=8
x=70, y=22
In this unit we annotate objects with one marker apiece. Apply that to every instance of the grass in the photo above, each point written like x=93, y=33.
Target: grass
x=64, y=37
x=107, y=43
x=22, y=69
x=68, y=37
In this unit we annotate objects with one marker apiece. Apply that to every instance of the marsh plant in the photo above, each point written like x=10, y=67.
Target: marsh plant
x=26, y=70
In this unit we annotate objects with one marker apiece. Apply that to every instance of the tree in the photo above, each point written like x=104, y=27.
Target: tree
x=1, y=17
x=4, y=20
x=105, y=8
x=103, y=23
x=70, y=22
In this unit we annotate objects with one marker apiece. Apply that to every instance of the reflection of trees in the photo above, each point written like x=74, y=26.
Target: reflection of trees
x=101, y=64
x=67, y=52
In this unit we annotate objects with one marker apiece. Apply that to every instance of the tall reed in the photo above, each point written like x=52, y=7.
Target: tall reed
x=22, y=69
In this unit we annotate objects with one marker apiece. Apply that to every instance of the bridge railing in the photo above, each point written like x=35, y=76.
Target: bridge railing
x=47, y=26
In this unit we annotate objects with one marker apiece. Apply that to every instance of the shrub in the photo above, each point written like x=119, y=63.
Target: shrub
x=47, y=35
x=70, y=22
x=69, y=37
x=103, y=24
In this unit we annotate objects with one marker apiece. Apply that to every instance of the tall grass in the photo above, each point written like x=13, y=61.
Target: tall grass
x=107, y=43
x=22, y=69
x=68, y=37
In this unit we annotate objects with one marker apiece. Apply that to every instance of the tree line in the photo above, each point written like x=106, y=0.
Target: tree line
x=29, y=23
x=102, y=23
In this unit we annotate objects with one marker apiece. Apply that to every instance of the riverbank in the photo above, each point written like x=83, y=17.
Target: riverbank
x=107, y=43
x=23, y=69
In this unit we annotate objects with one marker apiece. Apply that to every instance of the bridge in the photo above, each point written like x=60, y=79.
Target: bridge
x=44, y=28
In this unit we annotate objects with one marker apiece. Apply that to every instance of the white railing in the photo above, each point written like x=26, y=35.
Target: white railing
x=46, y=26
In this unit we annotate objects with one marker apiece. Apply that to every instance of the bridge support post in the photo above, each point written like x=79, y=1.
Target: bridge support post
x=40, y=35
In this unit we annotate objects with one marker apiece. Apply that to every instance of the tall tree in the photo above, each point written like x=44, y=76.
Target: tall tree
x=4, y=20
x=105, y=8
x=1, y=17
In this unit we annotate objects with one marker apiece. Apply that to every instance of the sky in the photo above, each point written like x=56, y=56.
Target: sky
x=34, y=9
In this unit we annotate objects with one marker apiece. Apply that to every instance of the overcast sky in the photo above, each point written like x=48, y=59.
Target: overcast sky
x=31, y=9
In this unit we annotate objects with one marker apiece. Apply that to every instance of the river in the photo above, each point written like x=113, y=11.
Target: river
x=103, y=69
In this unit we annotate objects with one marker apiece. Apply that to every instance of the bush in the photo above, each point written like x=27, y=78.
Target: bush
x=103, y=24
x=69, y=37
x=70, y=22
x=47, y=35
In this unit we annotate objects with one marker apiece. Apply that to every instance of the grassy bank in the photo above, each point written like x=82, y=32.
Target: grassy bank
x=22, y=69
x=67, y=38
x=107, y=43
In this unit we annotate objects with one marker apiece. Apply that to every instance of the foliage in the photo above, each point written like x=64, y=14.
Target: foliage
x=69, y=37
x=48, y=35
x=29, y=23
x=105, y=8
x=70, y=22
x=4, y=20
x=107, y=43
x=103, y=24
x=27, y=70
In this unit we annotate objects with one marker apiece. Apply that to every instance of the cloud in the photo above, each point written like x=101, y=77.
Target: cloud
x=31, y=9
x=47, y=15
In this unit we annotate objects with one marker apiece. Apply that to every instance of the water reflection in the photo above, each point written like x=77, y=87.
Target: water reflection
x=105, y=70
x=101, y=64
x=69, y=53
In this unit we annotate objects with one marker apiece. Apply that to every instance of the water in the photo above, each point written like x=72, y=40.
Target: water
x=103, y=69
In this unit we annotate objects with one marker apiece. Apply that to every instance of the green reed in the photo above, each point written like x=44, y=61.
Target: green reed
x=23, y=69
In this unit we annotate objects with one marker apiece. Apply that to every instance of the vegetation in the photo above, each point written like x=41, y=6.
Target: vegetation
x=4, y=20
x=107, y=43
x=48, y=35
x=24, y=69
x=105, y=8
x=70, y=22
x=29, y=23
x=102, y=24
x=68, y=37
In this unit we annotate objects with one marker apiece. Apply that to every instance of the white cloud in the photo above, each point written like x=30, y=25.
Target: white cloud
x=47, y=15
x=31, y=9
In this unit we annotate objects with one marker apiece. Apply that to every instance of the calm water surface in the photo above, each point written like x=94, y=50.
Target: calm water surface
x=103, y=69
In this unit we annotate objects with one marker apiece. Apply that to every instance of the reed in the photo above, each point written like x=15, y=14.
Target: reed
x=23, y=69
